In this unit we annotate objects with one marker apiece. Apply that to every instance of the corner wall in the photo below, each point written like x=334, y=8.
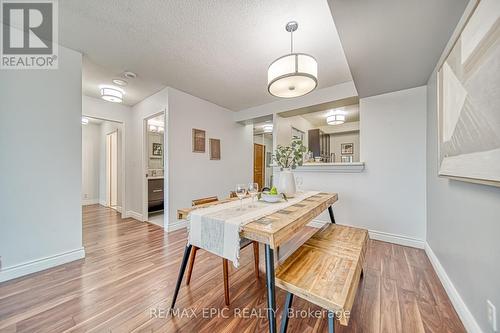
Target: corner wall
x=194, y=175
x=40, y=167
x=388, y=197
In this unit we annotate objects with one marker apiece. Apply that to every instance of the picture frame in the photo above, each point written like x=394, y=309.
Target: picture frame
x=468, y=139
x=198, y=140
x=214, y=145
x=347, y=148
x=156, y=150
x=346, y=158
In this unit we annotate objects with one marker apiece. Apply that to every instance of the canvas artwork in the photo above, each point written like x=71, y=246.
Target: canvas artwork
x=469, y=100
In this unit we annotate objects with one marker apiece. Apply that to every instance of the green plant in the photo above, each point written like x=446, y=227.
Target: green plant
x=290, y=156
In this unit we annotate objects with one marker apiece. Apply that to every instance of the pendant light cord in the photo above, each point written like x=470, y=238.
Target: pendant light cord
x=291, y=42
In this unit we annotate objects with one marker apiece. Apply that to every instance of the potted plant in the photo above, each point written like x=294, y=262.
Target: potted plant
x=288, y=158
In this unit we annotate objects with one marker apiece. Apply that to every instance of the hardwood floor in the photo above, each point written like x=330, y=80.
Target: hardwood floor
x=126, y=281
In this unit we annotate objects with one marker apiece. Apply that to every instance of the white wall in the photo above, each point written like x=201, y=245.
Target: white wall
x=463, y=228
x=40, y=166
x=283, y=131
x=194, y=175
x=122, y=114
x=336, y=141
x=90, y=163
x=388, y=197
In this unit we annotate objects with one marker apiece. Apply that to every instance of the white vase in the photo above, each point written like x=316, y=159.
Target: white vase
x=287, y=183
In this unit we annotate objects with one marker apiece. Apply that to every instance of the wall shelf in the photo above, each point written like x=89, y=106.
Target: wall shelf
x=354, y=167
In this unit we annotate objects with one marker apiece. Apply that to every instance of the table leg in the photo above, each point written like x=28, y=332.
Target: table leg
x=330, y=211
x=187, y=252
x=271, y=297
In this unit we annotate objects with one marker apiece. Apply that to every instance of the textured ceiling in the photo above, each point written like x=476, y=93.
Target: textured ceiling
x=216, y=50
x=394, y=44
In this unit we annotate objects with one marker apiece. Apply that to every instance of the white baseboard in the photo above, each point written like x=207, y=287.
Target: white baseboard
x=396, y=239
x=103, y=203
x=382, y=236
x=86, y=202
x=465, y=315
x=179, y=224
x=134, y=215
x=37, y=265
x=118, y=209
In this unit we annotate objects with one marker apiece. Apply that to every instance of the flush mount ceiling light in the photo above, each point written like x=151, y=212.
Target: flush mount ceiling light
x=85, y=121
x=129, y=75
x=112, y=94
x=294, y=74
x=268, y=128
x=336, y=117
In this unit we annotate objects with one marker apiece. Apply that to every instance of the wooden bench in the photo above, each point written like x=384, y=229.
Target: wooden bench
x=325, y=271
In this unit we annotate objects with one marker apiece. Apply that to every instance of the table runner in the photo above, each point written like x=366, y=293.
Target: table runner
x=217, y=228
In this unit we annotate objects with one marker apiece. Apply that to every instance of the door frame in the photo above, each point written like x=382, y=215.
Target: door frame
x=122, y=161
x=109, y=171
x=263, y=164
x=145, y=157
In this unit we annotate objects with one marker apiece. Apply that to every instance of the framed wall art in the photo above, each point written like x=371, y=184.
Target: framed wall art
x=198, y=141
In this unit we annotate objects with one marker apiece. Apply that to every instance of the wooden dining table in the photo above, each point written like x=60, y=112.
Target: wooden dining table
x=272, y=230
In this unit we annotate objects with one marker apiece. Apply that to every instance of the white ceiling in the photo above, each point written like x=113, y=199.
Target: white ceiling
x=136, y=89
x=319, y=118
x=394, y=44
x=216, y=50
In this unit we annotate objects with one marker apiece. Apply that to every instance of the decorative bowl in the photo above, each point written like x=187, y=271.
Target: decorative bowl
x=271, y=197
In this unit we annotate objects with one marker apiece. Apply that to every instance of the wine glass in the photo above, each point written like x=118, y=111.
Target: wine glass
x=253, y=189
x=299, y=182
x=241, y=192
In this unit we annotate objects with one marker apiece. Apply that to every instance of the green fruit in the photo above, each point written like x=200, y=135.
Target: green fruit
x=274, y=191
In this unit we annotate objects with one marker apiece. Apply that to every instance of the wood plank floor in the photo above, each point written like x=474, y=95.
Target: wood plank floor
x=126, y=281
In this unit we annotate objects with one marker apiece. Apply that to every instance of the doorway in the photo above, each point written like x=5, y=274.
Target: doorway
x=103, y=163
x=112, y=169
x=263, y=152
x=154, y=184
x=259, y=151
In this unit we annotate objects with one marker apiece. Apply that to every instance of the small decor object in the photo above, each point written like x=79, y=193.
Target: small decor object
x=288, y=158
x=347, y=149
x=468, y=99
x=198, y=141
x=156, y=150
x=272, y=196
x=214, y=145
x=346, y=159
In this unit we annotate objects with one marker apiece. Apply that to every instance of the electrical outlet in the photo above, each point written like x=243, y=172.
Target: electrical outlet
x=492, y=315
x=86, y=196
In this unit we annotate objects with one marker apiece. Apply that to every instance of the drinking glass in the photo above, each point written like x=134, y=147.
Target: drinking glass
x=253, y=189
x=299, y=181
x=241, y=192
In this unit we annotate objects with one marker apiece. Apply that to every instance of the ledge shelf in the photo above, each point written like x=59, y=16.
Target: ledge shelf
x=354, y=167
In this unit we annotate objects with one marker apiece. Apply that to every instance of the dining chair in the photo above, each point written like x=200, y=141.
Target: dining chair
x=225, y=263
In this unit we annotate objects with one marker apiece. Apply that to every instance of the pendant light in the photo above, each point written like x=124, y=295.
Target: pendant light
x=294, y=74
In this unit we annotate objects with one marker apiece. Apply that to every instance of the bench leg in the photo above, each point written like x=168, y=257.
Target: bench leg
x=331, y=322
x=330, y=211
x=187, y=252
x=271, y=298
x=286, y=309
